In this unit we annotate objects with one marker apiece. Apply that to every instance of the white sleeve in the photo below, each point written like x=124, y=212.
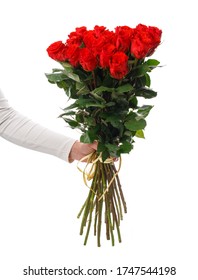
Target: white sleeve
x=22, y=131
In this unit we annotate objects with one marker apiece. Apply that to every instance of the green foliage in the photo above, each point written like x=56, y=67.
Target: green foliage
x=106, y=109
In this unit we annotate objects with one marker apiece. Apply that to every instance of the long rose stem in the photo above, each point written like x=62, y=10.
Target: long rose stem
x=88, y=204
x=105, y=189
x=82, y=208
x=120, y=189
x=108, y=204
x=96, y=216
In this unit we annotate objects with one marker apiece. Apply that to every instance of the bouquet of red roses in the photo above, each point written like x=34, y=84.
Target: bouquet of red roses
x=105, y=73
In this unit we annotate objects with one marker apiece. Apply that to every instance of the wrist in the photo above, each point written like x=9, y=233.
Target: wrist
x=74, y=152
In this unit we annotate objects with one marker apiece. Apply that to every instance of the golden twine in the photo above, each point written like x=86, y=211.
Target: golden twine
x=92, y=159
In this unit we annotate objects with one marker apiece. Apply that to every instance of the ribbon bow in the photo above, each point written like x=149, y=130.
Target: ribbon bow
x=91, y=163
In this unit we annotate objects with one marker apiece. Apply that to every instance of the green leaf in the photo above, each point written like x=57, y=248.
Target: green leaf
x=140, y=82
x=85, y=138
x=101, y=147
x=71, y=106
x=126, y=147
x=80, y=117
x=54, y=70
x=84, y=76
x=71, y=123
x=90, y=121
x=112, y=147
x=148, y=80
x=89, y=136
x=144, y=110
x=146, y=93
x=68, y=113
x=97, y=97
x=85, y=103
x=152, y=62
x=113, y=119
x=72, y=76
x=140, y=70
x=55, y=77
x=133, y=101
x=109, y=104
x=124, y=88
x=67, y=66
x=82, y=89
x=133, y=123
x=65, y=84
x=128, y=133
x=105, y=155
x=102, y=89
x=139, y=133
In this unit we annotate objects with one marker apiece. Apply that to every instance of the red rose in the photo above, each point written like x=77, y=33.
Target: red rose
x=57, y=51
x=119, y=65
x=139, y=49
x=155, y=34
x=106, y=55
x=81, y=30
x=123, y=38
x=95, y=40
x=145, y=40
x=76, y=37
x=87, y=60
x=98, y=30
x=72, y=54
x=89, y=39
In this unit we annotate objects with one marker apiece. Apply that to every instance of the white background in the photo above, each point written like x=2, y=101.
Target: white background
x=40, y=195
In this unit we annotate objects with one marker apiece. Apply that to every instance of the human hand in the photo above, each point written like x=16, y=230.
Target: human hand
x=80, y=150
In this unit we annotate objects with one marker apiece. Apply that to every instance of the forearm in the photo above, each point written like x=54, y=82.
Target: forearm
x=22, y=131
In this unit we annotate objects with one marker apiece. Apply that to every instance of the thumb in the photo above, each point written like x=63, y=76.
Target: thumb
x=94, y=145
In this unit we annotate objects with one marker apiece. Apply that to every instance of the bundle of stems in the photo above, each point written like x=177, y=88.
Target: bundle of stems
x=105, y=202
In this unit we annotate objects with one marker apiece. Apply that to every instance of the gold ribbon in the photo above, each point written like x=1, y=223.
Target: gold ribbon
x=88, y=175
